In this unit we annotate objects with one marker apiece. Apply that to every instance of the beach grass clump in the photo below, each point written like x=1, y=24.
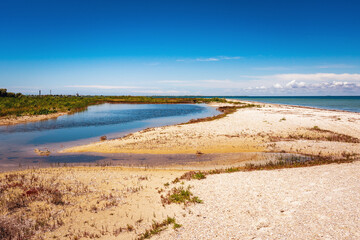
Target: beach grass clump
x=199, y=176
x=180, y=195
x=15, y=228
x=158, y=227
x=193, y=175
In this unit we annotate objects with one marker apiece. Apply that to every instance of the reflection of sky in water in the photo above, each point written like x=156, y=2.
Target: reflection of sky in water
x=113, y=120
x=109, y=114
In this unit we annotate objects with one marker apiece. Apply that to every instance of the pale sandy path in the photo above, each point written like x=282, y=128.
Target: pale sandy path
x=320, y=202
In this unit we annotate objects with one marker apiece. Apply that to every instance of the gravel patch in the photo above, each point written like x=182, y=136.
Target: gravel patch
x=321, y=202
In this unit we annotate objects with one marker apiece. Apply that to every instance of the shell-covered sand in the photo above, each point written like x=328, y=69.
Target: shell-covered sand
x=270, y=128
x=320, y=202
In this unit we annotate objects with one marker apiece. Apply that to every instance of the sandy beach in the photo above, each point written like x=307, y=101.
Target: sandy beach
x=92, y=202
x=269, y=128
x=302, y=203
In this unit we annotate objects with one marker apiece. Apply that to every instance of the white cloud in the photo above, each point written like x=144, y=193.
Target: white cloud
x=229, y=58
x=171, y=92
x=336, y=66
x=315, y=77
x=210, y=59
x=278, y=86
x=294, y=84
x=207, y=59
x=273, y=68
x=101, y=86
x=172, y=81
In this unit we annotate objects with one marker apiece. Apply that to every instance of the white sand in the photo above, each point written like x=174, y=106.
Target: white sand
x=320, y=202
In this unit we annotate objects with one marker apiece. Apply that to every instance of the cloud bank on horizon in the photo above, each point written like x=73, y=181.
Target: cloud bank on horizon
x=260, y=47
x=279, y=84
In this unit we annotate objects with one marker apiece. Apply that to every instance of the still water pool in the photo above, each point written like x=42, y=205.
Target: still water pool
x=112, y=120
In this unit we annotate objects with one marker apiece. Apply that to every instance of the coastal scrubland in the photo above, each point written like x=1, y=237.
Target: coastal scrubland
x=29, y=105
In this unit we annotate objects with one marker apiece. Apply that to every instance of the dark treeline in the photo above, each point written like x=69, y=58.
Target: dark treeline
x=12, y=104
x=5, y=93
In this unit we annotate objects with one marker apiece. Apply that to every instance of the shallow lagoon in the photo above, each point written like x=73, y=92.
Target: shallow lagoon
x=112, y=120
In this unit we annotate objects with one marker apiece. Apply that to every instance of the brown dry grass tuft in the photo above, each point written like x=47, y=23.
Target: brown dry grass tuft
x=226, y=110
x=12, y=228
x=31, y=203
x=291, y=161
x=316, y=134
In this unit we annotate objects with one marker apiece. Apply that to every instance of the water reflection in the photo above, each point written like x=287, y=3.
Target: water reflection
x=113, y=120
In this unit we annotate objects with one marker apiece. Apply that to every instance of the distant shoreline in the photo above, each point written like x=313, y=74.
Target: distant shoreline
x=11, y=120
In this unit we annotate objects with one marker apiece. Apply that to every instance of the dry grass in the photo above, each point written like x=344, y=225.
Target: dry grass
x=290, y=161
x=316, y=134
x=12, y=228
x=33, y=203
x=81, y=202
x=226, y=110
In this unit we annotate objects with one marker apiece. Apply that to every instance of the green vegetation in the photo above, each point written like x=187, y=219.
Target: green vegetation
x=5, y=93
x=157, y=227
x=180, y=195
x=12, y=104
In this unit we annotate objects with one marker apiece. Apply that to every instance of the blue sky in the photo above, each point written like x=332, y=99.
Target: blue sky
x=181, y=47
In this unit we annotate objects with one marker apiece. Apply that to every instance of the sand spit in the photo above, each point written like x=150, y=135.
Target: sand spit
x=321, y=202
x=25, y=119
x=269, y=128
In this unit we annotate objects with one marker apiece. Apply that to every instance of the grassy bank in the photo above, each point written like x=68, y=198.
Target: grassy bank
x=42, y=105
